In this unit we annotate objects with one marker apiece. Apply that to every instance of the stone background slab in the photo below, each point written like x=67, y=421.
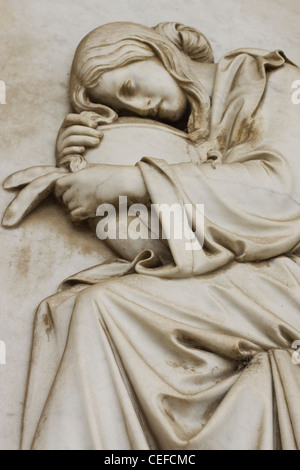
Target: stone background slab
x=37, y=42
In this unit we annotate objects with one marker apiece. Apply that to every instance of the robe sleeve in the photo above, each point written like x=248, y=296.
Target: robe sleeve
x=250, y=202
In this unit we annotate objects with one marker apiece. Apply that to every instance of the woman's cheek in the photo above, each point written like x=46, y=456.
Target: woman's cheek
x=176, y=108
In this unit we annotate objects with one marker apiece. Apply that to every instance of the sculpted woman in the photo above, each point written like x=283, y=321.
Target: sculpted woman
x=166, y=347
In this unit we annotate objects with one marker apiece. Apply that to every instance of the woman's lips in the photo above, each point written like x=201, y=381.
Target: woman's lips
x=154, y=112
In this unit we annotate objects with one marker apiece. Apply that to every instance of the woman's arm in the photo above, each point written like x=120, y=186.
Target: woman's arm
x=251, y=199
x=82, y=192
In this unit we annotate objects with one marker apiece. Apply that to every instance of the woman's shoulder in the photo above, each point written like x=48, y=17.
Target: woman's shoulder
x=251, y=64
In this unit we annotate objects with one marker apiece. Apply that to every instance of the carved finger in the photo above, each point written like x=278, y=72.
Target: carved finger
x=71, y=151
x=92, y=118
x=71, y=205
x=81, y=130
x=62, y=185
x=79, y=214
x=72, y=119
x=29, y=198
x=79, y=141
x=23, y=177
x=68, y=196
x=86, y=118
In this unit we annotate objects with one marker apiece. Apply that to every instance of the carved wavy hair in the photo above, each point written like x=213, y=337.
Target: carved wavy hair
x=115, y=45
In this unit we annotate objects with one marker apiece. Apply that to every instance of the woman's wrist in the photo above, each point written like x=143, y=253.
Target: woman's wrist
x=120, y=180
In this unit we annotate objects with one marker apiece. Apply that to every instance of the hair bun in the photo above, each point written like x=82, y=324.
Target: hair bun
x=189, y=40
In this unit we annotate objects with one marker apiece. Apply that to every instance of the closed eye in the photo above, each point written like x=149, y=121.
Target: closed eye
x=128, y=88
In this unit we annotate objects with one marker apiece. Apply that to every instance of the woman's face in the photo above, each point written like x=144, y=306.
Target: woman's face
x=144, y=88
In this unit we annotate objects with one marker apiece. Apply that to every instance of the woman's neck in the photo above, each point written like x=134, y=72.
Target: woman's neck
x=204, y=73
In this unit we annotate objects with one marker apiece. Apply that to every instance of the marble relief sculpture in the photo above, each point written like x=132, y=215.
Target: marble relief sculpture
x=162, y=347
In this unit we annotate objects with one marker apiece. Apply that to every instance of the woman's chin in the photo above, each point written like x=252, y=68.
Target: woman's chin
x=172, y=115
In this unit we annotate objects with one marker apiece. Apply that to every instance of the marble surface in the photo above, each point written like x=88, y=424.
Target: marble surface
x=37, y=43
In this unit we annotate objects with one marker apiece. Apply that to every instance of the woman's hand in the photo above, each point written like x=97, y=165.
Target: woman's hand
x=82, y=192
x=77, y=132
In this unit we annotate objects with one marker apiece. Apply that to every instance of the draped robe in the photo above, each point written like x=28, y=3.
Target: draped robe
x=196, y=353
